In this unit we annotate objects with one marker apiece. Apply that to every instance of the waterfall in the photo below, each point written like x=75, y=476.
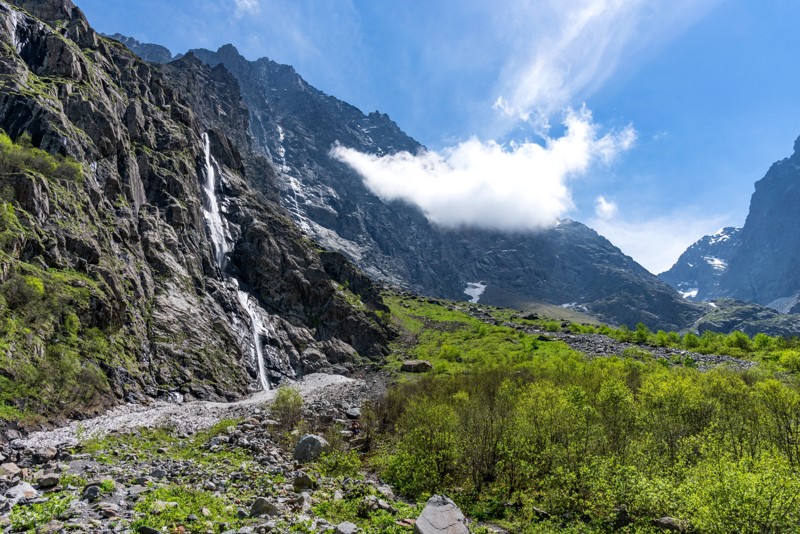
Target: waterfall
x=211, y=212
x=219, y=239
x=256, y=326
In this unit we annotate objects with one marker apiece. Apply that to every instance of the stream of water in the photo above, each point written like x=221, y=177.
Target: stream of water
x=219, y=239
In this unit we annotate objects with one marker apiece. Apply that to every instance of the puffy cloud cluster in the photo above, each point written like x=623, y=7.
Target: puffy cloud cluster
x=521, y=186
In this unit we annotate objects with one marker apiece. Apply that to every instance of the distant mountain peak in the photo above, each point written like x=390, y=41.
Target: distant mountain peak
x=697, y=273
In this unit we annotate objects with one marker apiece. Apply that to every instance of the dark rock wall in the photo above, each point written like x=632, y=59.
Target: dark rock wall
x=137, y=133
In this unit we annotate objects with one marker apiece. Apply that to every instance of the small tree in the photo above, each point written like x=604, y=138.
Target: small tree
x=287, y=408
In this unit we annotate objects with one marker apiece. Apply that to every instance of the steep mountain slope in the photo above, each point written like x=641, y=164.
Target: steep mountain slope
x=698, y=271
x=764, y=270
x=150, y=266
x=758, y=263
x=295, y=126
x=147, y=51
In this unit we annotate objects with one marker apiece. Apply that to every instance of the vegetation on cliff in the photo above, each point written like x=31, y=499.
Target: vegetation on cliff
x=52, y=349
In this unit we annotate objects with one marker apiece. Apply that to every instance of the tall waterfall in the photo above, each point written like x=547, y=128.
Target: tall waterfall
x=219, y=239
x=211, y=212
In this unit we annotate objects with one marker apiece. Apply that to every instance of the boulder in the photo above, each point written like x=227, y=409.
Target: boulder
x=669, y=523
x=21, y=491
x=346, y=528
x=10, y=469
x=262, y=507
x=303, y=481
x=441, y=516
x=416, y=366
x=49, y=480
x=310, y=447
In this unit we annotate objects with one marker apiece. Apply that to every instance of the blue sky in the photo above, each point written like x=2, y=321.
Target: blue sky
x=675, y=108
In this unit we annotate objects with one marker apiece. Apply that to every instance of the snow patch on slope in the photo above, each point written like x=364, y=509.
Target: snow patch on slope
x=475, y=290
x=716, y=263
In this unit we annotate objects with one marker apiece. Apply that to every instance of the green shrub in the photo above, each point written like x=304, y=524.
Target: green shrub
x=287, y=408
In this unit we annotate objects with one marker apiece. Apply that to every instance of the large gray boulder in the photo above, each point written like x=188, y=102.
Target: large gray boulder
x=310, y=447
x=441, y=516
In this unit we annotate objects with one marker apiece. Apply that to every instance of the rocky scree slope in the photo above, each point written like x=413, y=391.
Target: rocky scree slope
x=295, y=125
x=147, y=306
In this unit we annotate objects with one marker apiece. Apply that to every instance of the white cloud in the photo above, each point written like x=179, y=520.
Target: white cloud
x=604, y=208
x=522, y=186
x=559, y=51
x=658, y=242
x=246, y=7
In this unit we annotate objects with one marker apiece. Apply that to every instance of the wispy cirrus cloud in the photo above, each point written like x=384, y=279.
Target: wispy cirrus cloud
x=559, y=51
x=246, y=7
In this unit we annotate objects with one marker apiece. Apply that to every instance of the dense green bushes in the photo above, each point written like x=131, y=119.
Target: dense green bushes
x=550, y=440
x=585, y=440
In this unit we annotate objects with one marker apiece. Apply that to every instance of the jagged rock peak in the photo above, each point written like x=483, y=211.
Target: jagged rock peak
x=153, y=53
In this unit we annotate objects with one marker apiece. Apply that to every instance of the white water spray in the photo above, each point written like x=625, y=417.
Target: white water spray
x=255, y=326
x=211, y=213
x=219, y=239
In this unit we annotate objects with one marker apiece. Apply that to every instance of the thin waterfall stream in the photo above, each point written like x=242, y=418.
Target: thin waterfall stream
x=219, y=239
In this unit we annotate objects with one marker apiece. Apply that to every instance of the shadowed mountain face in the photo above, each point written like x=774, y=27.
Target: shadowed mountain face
x=757, y=263
x=698, y=271
x=295, y=125
x=765, y=268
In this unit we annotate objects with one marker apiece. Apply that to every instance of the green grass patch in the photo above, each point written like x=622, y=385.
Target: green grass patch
x=453, y=341
x=32, y=517
x=175, y=506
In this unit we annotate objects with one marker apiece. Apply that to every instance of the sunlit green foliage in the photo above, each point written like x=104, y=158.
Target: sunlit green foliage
x=587, y=439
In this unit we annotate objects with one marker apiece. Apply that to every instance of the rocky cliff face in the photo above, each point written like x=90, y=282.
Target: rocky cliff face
x=150, y=52
x=295, y=125
x=758, y=263
x=698, y=271
x=764, y=270
x=190, y=281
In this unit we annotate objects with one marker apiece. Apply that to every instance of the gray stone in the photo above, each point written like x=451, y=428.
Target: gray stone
x=303, y=481
x=45, y=454
x=91, y=493
x=262, y=507
x=10, y=469
x=416, y=366
x=148, y=530
x=353, y=413
x=23, y=490
x=441, y=516
x=669, y=523
x=107, y=509
x=310, y=447
x=49, y=480
x=346, y=528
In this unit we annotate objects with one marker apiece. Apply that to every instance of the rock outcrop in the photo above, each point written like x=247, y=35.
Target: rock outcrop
x=160, y=308
x=441, y=516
